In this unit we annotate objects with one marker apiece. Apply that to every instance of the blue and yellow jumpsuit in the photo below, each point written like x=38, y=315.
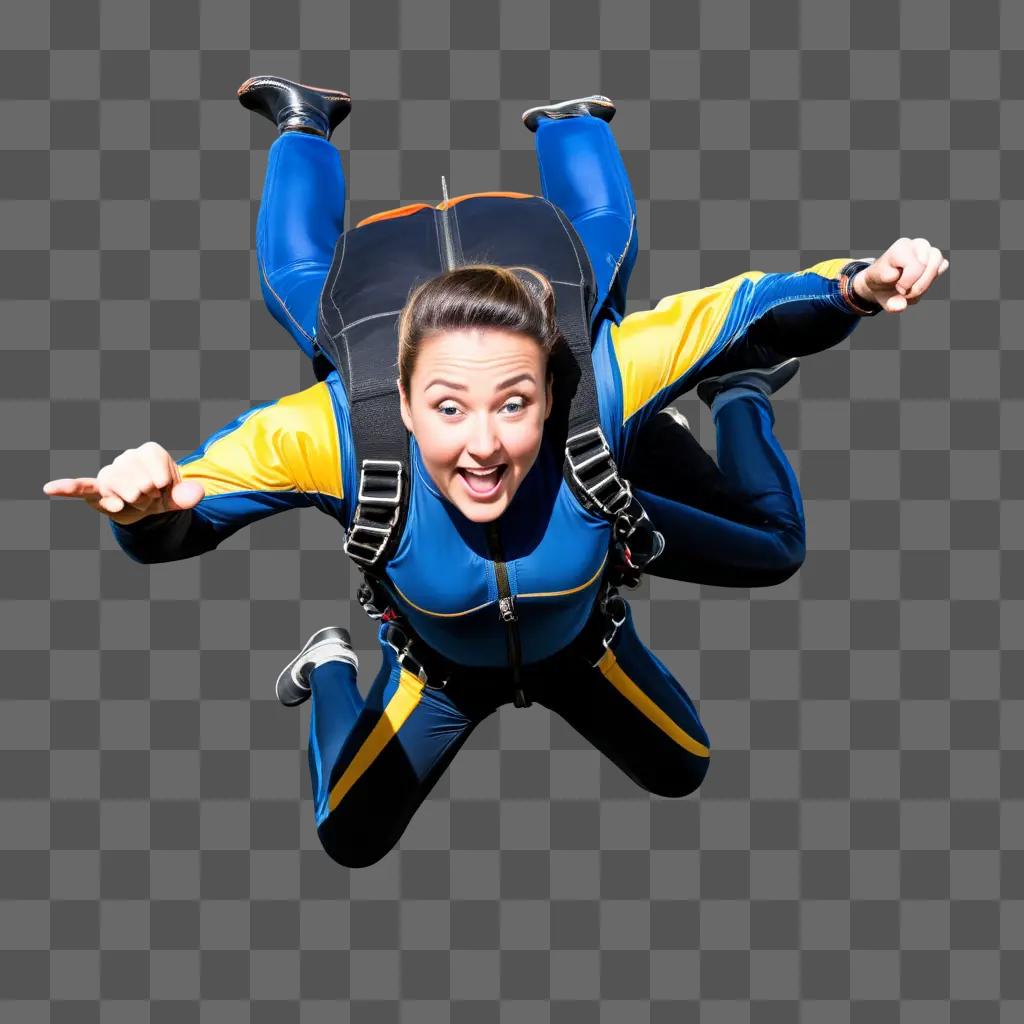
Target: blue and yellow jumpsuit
x=373, y=762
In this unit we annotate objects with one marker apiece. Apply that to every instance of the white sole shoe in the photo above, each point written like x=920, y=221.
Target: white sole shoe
x=291, y=686
x=596, y=106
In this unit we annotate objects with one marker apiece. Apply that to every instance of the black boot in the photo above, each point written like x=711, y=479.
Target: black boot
x=294, y=107
x=767, y=381
x=596, y=106
x=329, y=644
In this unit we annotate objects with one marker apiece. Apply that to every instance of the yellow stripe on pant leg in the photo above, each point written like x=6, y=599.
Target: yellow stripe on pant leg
x=613, y=672
x=402, y=704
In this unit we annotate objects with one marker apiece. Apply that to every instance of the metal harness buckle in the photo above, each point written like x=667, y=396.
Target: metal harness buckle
x=613, y=608
x=623, y=495
x=378, y=535
x=626, y=525
x=366, y=597
x=406, y=658
x=376, y=499
x=401, y=648
x=353, y=540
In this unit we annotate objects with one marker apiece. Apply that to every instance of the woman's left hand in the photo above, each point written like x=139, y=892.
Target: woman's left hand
x=901, y=275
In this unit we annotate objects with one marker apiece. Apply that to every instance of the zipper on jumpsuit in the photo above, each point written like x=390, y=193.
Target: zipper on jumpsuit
x=507, y=612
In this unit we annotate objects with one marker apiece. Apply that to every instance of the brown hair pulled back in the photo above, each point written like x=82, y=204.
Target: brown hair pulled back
x=481, y=295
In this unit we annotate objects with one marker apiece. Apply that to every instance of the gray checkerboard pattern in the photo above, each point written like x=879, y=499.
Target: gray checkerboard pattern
x=857, y=852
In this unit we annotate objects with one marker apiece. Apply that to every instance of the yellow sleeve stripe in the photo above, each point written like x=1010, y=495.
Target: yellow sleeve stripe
x=289, y=445
x=401, y=705
x=655, y=347
x=829, y=268
x=612, y=671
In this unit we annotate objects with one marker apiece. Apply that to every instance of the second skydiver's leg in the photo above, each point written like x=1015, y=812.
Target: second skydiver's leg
x=582, y=173
x=302, y=209
x=770, y=544
x=302, y=215
x=670, y=462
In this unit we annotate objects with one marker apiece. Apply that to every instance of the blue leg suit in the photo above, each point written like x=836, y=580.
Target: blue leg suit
x=373, y=762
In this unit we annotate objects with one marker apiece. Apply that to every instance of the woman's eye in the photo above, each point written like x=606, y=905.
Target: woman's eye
x=450, y=411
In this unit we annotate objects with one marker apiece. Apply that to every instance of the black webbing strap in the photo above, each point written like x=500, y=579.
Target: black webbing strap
x=589, y=467
x=382, y=447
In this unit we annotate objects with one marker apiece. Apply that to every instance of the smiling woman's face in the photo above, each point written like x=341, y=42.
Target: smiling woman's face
x=478, y=401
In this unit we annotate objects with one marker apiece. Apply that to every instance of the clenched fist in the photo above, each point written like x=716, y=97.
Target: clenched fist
x=901, y=275
x=140, y=482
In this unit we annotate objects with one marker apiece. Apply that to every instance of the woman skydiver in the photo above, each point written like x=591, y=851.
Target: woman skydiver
x=475, y=390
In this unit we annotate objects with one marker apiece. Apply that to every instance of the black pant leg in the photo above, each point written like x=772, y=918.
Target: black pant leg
x=669, y=461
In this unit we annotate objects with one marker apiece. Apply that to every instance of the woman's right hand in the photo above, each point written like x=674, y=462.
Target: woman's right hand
x=140, y=482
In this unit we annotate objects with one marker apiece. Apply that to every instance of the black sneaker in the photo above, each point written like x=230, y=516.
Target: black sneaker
x=293, y=106
x=767, y=381
x=596, y=106
x=329, y=644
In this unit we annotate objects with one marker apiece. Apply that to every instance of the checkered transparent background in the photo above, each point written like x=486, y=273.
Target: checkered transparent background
x=855, y=854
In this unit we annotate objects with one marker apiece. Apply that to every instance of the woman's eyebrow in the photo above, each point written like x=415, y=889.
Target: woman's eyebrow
x=504, y=384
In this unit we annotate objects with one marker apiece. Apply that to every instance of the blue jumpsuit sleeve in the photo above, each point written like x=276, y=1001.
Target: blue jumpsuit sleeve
x=279, y=455
x=754, y=319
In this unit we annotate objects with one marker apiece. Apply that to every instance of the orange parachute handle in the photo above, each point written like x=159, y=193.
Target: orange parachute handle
x=404, y=211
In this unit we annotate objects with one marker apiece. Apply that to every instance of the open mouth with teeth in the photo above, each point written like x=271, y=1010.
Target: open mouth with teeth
x=483, y=484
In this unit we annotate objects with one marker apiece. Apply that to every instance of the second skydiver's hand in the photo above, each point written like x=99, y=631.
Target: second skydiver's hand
x=901, y=275
x=140, y=482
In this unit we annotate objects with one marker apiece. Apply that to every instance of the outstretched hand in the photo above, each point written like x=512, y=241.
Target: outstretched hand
x=140, y=482
x=901, y=275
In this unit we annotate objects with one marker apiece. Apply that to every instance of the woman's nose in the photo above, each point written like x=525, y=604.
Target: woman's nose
x=483, y=439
